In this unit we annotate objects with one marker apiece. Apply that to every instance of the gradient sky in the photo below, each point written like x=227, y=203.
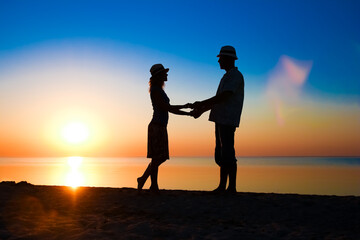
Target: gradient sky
x=89, y=61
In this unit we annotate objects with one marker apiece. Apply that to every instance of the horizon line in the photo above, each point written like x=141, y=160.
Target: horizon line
x=187, y=156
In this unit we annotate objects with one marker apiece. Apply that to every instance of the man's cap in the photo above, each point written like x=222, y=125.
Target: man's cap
x=228, y=51
x=157, y=68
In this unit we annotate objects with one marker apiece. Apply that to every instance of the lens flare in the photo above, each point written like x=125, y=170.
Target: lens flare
x=285, y=84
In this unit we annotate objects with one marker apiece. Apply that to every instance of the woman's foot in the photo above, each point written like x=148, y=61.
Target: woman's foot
x=141, y=183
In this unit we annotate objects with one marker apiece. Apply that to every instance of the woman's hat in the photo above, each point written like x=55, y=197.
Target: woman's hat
x=157, y=68
x=228, y=51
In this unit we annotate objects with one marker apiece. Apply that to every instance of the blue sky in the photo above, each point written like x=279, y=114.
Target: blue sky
x=326, y=32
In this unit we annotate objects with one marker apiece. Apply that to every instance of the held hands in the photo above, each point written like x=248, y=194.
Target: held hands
x=198, y=109
x=189, y=105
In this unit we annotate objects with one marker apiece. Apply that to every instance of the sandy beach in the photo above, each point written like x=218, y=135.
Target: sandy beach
x=56, y=212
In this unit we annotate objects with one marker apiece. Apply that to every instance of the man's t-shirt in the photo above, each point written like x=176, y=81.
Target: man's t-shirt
x=229, y=111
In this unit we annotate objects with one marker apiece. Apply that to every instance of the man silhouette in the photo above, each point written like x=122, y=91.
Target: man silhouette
x=226, y=107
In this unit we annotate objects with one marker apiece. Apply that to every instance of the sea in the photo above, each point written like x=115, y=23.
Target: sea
x=296, y=175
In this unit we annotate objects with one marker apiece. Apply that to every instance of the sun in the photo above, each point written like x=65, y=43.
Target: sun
x=75, y=132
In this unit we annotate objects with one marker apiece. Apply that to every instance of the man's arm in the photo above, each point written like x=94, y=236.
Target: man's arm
x=203, y=106
x=209, y=103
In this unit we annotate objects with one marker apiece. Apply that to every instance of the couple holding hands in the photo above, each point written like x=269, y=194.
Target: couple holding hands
x=226, y=107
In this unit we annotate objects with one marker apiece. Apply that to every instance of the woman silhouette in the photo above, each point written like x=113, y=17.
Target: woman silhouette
x=158, y=147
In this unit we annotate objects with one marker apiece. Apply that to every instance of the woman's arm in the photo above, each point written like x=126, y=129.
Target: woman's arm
x=163, y=105
x=175, y=109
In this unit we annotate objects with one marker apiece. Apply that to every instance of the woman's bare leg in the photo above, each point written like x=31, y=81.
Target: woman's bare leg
x=141, y=180
x=155, y=163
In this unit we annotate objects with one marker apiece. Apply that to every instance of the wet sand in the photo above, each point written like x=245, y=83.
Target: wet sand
x=55, y=212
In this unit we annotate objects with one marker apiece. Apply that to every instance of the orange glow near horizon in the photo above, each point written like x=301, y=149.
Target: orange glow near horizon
x=310, y=129
x=320, y=131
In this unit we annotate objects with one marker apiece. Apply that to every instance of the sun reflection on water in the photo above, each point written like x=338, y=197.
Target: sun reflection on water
x=74, y=177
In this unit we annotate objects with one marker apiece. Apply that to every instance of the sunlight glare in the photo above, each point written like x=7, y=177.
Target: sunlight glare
x=74, y=178
x=74, y=162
